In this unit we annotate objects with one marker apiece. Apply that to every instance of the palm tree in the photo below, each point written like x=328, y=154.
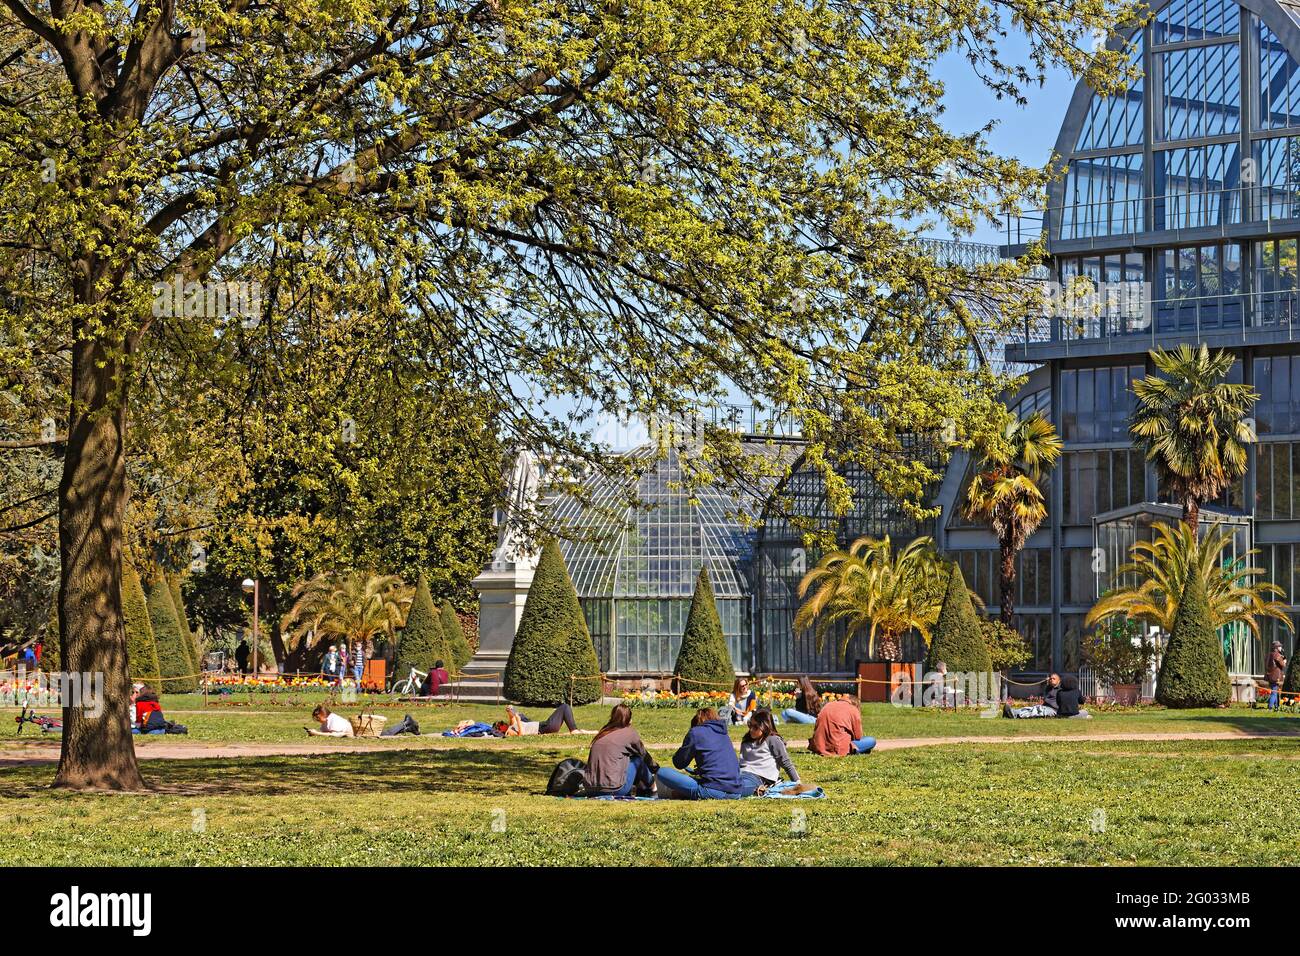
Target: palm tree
x=355, y=607
x=871, y=588
x=1160, y=569
x=1192, y=424
x=1005, y=492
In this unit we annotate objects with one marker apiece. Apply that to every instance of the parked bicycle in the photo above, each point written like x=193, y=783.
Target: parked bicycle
x=410, y=685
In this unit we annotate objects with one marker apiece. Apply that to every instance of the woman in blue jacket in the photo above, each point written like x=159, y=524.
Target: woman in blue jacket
x=717, y=769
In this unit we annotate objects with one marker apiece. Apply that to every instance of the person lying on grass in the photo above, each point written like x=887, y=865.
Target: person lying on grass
x=331, y=724
x=763, y=755
x=517, y=725
x=838, y=732
x=619, y=764
x=717, y=770
x=1061, y=698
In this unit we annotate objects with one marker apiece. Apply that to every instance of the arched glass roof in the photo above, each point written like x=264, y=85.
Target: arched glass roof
x=657, y=547
x=1208, y=136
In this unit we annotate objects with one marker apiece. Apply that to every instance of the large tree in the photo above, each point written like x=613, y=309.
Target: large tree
x=1192, y=423
x=1006, y=491
x=640, y=206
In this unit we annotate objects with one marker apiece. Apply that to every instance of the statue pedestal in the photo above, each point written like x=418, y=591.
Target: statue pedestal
x=502, y=594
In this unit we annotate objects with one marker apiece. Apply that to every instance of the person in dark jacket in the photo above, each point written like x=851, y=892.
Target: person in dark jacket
x=1069, y=698
x=1275, y=673
x=717, y=769
x=1048, y=708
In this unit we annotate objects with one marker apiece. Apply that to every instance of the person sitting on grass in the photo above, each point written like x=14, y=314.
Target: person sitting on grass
x=807, y=704
x=742, y=702
x=331, y=724
x=435, y=679
x=517, y=725
x=619, y=764
x=148, y=711
x=717, y=771
x=839, y=730
x=763, y=755
x=1062, y=697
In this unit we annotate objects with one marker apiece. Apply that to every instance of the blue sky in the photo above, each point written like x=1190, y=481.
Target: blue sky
x=1025, y=132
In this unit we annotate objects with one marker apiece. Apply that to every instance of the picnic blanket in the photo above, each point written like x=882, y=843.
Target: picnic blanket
x=471, y=729
x=785, y=790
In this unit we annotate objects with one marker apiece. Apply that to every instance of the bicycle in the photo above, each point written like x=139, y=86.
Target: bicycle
x=47, y=724
x=410, y=685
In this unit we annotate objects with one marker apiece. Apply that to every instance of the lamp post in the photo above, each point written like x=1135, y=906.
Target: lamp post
x=254, y=588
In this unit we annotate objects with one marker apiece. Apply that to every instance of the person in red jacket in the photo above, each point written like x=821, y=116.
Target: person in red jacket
x=148, y=711
x=838, y=732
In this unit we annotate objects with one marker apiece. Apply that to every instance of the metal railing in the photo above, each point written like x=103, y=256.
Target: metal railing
x=1169, y=212
x=1192, y=317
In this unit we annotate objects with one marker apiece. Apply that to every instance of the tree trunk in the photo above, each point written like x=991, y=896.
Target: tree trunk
x=1008, y=582
x=889, y=649
x=98, y=752
x=1192, y=512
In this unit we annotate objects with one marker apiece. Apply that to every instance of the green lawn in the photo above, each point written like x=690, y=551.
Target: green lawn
x=1070, y=803
x=264, y=722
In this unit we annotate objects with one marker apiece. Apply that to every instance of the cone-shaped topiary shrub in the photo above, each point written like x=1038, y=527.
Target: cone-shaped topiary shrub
x=703, y=660
x=173, y=656
x=191, y=640
x=1193, y=673
x=454, y=636
x=1292, y=681
x=141, y=653
x=552, y=644
x=958, y=638
x=421, y=642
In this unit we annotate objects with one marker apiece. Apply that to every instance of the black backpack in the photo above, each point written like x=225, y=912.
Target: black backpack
x=176, y=728
x=567, y=778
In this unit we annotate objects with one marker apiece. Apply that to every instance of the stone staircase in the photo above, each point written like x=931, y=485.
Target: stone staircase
x=481, y=681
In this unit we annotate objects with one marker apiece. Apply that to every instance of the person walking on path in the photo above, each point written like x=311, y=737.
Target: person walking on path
x=1275, y=673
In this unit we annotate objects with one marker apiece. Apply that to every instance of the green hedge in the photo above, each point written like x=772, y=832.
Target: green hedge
x=141, y=652
x=552, y=644
x=1193, y=672
x=958, y=637
x=421, y=642
x=455, y=642
x=173, y=656
x=703, y=660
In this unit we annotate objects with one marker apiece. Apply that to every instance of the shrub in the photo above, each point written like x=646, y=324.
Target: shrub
x=1007, y=648
x=422, y=641
x=1193, y=673
x=173, y=658
x=958, y=638
x=454, y=636
x=704, y=660
x=1292, y=682
x=141, y=653
x=552, y=643
x=191, y=640
x=1113, y=654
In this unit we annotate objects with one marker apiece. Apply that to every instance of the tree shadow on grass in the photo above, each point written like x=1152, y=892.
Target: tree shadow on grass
x=1285, y=726
x=435, y=772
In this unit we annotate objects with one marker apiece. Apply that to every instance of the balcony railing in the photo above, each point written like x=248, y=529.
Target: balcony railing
x=1170, y=212
x=1193, y=317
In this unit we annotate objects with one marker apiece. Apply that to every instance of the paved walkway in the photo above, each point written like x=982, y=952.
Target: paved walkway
x=49, y=753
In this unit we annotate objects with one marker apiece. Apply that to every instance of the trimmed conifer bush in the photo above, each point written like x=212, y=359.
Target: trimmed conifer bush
x=958, y=638
x=141, y=653
x=703, y=660
x=173, y=657
x=1292, y=681
x=454, y=637
x=552, y=644
x=1193, y=673
x=421, y=642
x=191, y=639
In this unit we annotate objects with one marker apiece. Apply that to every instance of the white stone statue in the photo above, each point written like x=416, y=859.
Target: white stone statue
x=513, y=550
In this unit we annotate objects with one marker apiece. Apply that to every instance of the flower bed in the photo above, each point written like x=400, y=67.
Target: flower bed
x=249, y=683
x=773, y=700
